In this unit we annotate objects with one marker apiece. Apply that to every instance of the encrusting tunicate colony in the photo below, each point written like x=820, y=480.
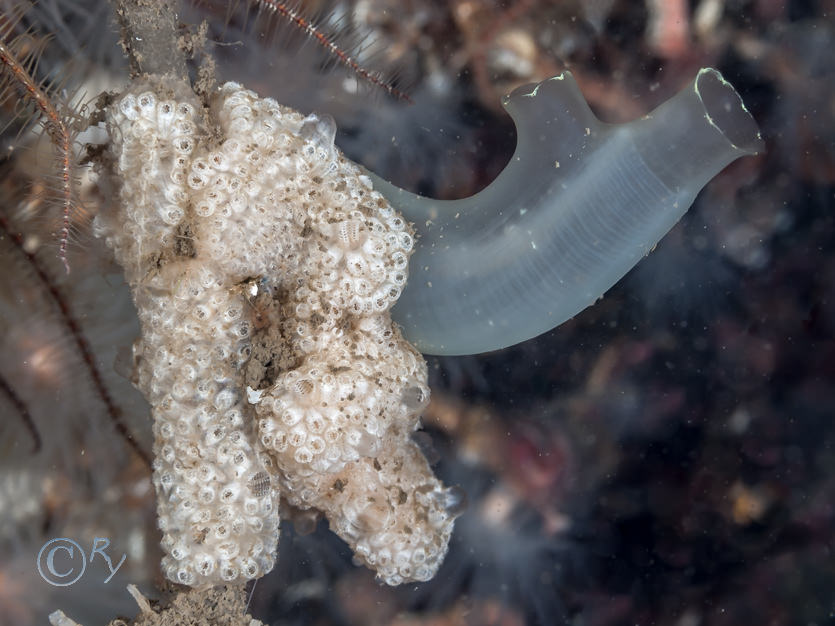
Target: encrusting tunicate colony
x=263, y=267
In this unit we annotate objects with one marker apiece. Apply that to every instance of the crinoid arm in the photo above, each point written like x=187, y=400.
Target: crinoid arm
x=44, y=105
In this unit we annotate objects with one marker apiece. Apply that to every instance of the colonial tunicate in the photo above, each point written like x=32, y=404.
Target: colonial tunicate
x=263, y=266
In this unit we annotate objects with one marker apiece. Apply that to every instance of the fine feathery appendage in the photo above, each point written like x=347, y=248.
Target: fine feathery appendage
x=39, y=103
x=292, y=14
x=83, y=347
x=23, y=411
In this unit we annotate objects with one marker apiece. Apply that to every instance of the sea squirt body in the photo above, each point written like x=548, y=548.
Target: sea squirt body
x=578, y=205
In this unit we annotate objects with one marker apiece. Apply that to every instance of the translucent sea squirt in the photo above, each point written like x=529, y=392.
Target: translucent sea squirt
x=578, y=205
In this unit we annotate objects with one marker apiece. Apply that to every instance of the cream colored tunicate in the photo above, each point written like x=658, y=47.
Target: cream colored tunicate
x=263, y=266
